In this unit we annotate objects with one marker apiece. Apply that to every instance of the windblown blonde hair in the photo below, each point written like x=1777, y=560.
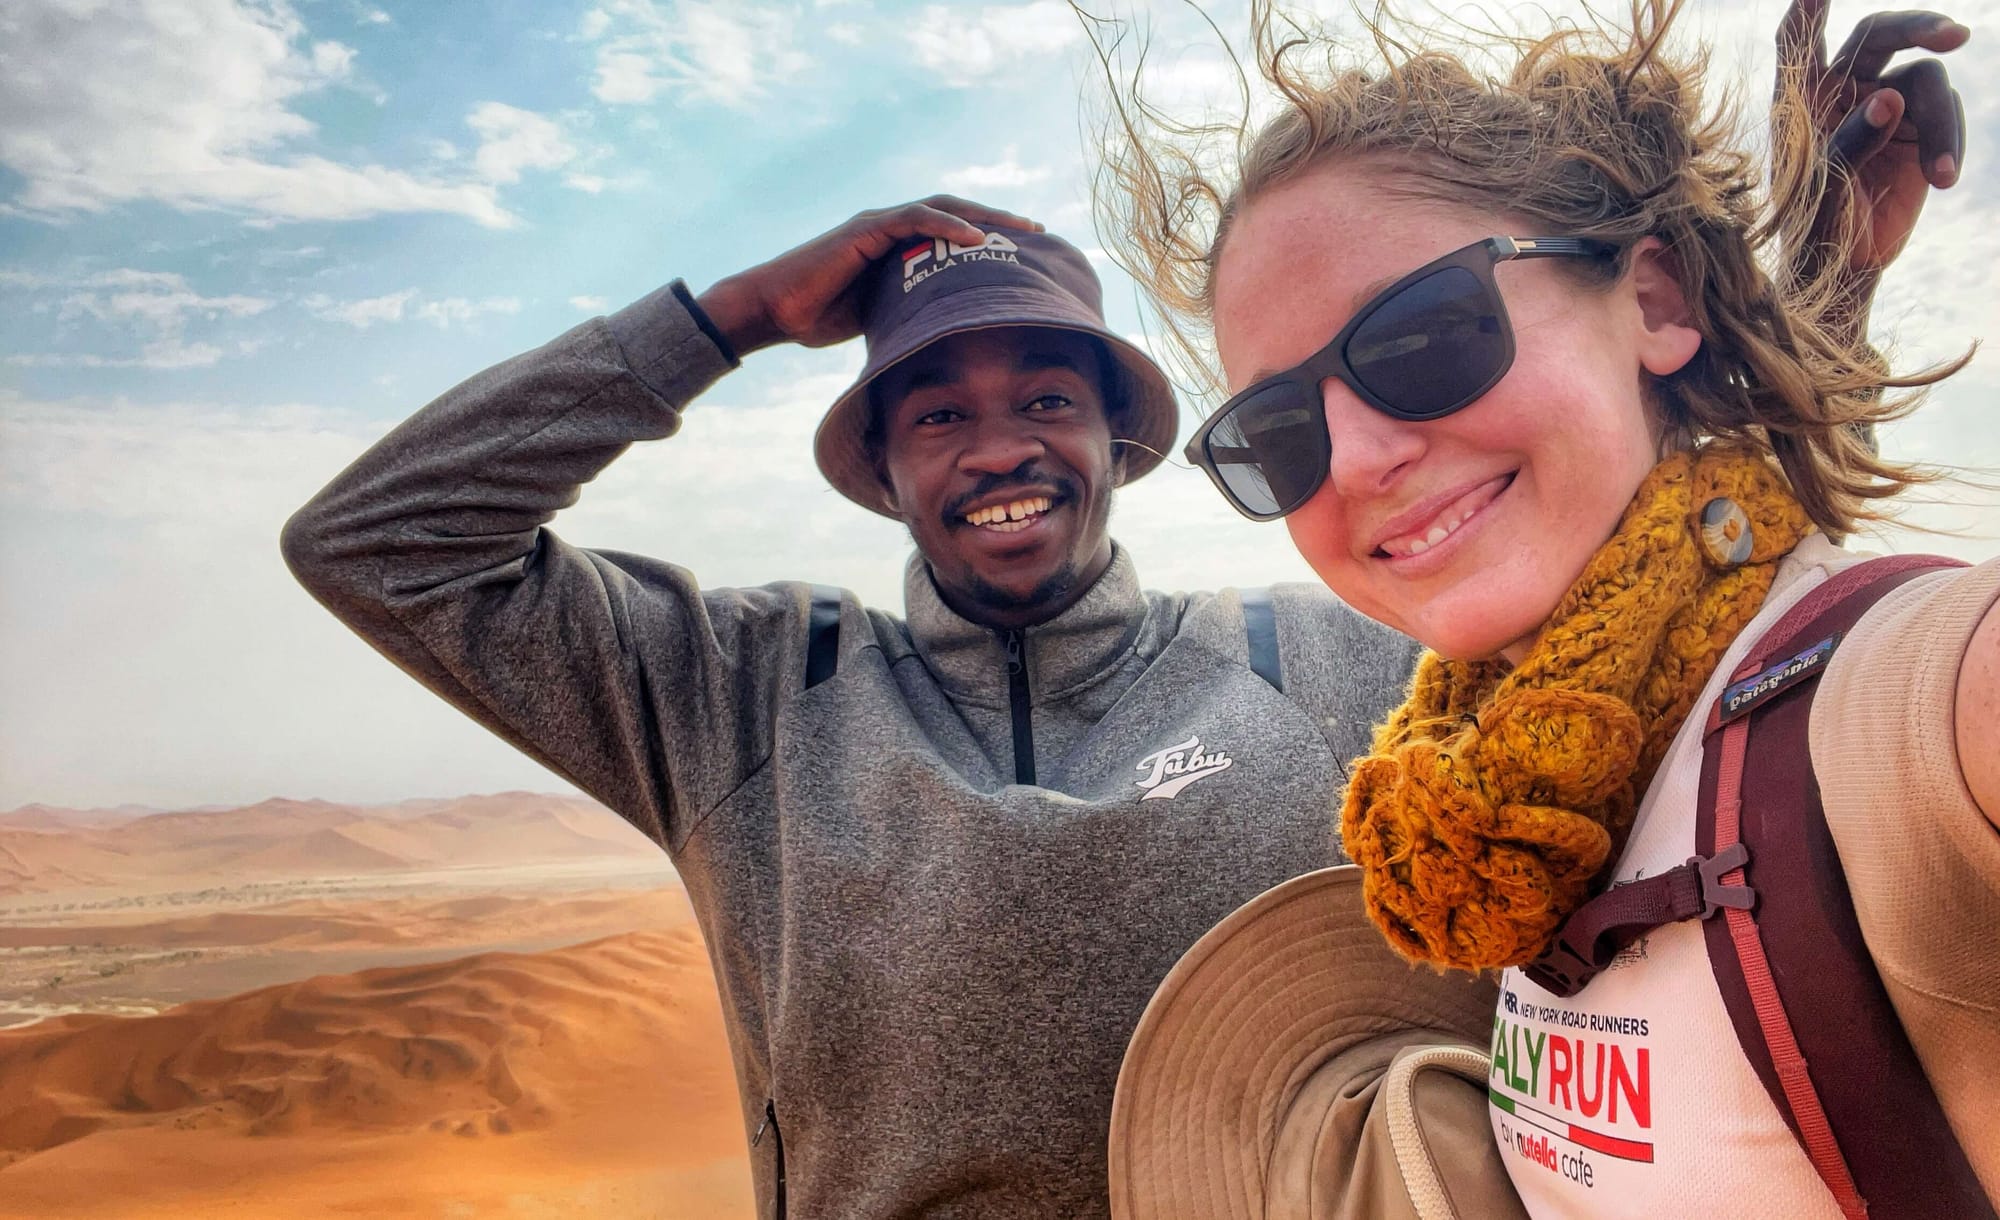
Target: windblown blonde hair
x=1596, y=130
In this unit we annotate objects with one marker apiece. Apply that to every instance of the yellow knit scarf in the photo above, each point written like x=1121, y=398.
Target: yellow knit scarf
x=1494, y=796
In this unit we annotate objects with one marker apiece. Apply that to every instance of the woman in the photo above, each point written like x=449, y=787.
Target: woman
x=1549, y=417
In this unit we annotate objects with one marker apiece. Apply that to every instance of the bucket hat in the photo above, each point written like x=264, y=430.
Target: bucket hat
x=1292, y=1067
x=929, y=288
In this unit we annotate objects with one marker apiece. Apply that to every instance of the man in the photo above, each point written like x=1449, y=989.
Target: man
x=941, y=861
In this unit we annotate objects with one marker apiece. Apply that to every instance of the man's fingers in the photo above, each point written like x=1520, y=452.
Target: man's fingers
x=936, y=221
x=882, y=230
x=1879, y=36
x=1867, y=129
x=874, y=233
x=1933, y=109
x=979, y=213
x=945, y=216
x=1958, y=109
x=1802, y=35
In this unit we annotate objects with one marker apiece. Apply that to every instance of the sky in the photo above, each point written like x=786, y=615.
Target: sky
x=240, y=239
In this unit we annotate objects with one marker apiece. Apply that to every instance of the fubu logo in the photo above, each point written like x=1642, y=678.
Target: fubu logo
x=1177, y=766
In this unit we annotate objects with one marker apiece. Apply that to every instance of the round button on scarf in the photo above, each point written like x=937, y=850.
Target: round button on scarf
x=1725, y=532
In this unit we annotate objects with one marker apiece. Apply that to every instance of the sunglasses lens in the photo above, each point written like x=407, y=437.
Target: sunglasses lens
x=1270, y=449
x=1433, y=347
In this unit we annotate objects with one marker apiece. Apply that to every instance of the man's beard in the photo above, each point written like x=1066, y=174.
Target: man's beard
x=1053, y=589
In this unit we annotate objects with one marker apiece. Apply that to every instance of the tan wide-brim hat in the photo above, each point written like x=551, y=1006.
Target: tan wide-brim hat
x=928, y=289
x=1250, y=1046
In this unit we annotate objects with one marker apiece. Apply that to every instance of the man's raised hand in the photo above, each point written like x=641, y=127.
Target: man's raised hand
x=1894, y=132
x=809, y=294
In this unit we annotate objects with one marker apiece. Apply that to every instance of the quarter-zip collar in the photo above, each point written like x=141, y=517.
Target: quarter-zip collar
x=1071, y=650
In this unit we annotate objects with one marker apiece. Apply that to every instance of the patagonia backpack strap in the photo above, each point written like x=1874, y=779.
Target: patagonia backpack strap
x=822, y=635
x=1260, y=625
x=1794, y=973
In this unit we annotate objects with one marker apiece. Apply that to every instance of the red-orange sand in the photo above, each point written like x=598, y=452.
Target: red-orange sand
x=586, y=1081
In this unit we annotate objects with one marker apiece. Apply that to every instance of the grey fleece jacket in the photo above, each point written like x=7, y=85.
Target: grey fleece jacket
x=929, y=971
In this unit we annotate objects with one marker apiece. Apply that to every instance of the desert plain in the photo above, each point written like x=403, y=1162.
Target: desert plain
x=482, y=1006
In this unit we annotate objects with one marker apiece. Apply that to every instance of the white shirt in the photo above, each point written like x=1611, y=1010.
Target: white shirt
x=1633, y=1097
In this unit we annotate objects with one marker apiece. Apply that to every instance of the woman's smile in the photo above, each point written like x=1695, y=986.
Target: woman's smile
x=1422, y=539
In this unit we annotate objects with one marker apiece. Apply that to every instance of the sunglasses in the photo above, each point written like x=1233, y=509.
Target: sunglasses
x=1428, y=345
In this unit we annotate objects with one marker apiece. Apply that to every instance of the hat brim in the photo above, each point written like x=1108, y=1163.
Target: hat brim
x=1152, y=417
x=1284, y=984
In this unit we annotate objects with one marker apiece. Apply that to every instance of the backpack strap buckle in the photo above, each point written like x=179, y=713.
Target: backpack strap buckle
x=1714, y=894
x=1599, y=930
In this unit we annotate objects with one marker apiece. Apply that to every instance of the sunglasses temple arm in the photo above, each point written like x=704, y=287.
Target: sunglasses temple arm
x=1556, y=247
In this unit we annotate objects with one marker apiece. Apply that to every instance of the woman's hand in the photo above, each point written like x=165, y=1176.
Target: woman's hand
x=809, y=294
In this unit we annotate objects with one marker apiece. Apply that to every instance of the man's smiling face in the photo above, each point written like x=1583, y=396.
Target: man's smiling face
x=996, y=447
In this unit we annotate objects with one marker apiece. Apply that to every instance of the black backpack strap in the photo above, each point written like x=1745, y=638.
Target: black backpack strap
x=1802, y=991
x=822, y=635
x=1260, y=625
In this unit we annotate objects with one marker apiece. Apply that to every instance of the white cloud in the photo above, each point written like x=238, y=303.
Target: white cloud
x=152, y=308
x=591, y=304
x=170, y=353
x=972, y=48
x=444, y=313
x=332, y=60
x=190, y=103
x=512, y=140
x=1193, y=85
x=399, y=306
x=176, y=633
x=624, y=76
x=702, y=50
x=589, y=184
x=167, y=308
x=279, y=257
x=88, y=455
x=363, y=313
x=174, y=354
x=1005, y=174
x=122, y=277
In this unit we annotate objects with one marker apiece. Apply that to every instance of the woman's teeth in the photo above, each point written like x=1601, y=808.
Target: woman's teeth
x=1417, y=544
x=1010, y=517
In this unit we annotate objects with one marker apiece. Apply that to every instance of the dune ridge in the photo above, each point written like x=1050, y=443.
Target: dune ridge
x=490, y=1005
x=484, y=1046
x=44, y=849
x=319, y=923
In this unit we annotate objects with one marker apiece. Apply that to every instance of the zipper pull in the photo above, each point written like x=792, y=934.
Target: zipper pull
x=1016, y=648
x=770, y=1113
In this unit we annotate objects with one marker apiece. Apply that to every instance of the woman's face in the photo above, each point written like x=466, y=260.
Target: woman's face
x=1463, y=532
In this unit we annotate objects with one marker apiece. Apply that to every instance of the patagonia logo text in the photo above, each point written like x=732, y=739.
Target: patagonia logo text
x=1177, y=766
x=1742, y=696
x=921, y=262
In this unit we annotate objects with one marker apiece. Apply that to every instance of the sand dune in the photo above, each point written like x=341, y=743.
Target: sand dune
x=531, y=1082
x=478, y=918
x=49, y=817
x=130, y=960
x=44, y=849
x=490, y=1005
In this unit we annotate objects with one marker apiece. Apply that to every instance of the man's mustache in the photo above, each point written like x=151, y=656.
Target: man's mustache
x=1025, y=480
